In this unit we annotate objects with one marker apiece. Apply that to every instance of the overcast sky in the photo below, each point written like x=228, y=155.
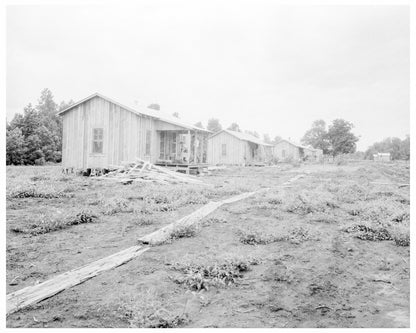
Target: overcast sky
x=273, y=69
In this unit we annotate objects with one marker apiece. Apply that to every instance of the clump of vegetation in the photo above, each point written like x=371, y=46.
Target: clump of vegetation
x=366, y=233
x=184, y=232
x=303, y=205
x=299, y=235
x=401, y=217
x=36, y=193
x=323, y=218
x=144, y=220
x=46, y=224
x=150, y=312
x=402, y=240
x=213, y=220
x=39, y=178
x=117, y=206
x=202, y=277
x=257, y=238
x=195, y=200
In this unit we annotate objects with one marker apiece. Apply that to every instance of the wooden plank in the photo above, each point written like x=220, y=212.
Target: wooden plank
x=163, y=234
x=34, y=294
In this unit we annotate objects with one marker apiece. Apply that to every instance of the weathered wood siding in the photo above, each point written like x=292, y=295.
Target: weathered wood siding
x=284, y=150
x=236, y=149
x=124, y=135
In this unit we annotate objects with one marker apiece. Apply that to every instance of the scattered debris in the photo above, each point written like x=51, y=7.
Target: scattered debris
x=144, y=171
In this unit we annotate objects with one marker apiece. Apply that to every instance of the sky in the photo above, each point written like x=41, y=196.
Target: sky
x=270, y=68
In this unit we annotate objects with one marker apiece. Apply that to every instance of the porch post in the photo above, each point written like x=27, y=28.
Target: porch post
x=189, y=147
x=201, y=145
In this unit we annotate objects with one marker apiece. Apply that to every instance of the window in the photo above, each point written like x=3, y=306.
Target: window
x=224, y=149
x=283, y=153
x=148, y=138
x=97, y=141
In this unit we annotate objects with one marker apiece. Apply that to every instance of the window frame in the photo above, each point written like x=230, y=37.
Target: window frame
x=97, y=138
x=224, y=149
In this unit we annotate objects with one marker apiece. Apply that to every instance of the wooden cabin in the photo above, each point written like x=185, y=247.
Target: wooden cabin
x=237, y=148
x=286, y=150
x=99, y=132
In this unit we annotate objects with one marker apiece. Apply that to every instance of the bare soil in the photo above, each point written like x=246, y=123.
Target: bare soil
x=308, y=264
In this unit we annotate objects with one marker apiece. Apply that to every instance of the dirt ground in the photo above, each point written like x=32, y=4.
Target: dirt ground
x=332, y=250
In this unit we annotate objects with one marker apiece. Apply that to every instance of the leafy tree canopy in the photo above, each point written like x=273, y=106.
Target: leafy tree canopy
x=340, y=137
x=214, y=125
x=317, y=136
x=234, y=127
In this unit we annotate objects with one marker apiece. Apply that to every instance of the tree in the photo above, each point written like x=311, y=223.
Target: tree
x=266, y=138
x=36, y=136
x=154, y=106
x=15, y=146
x=214, y=125
x=340, y=137
x=398, y=149
x=234, y=127
x=276, y=139
x=253, y=133
x=199, y=124
x=317, y=136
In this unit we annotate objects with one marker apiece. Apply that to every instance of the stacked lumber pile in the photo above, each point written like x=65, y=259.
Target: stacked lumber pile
x=144, y=171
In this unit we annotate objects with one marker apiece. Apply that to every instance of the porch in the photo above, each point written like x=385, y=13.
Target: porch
x=182, y=150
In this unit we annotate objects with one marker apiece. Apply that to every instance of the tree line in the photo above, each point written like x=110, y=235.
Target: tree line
x=35, y=137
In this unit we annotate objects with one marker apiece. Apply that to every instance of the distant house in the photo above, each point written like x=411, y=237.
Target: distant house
x=289, y=150
x=237, y=148
x=99, y=132
x=382, y=157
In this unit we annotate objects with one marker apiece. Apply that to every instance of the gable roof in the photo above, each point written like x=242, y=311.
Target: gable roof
x=243, y=136
x=296, y=144
x=140, y=110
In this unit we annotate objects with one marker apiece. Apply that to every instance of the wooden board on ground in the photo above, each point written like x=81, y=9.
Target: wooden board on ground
x=34, y=294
